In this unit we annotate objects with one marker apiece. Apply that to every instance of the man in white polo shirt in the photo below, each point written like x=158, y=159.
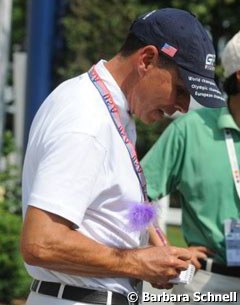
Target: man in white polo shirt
x=81, y=170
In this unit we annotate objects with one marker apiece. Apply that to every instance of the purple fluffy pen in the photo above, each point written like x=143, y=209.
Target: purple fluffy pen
x=141, y=215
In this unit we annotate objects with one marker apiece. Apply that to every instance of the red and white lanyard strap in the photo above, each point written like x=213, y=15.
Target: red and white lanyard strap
x=114, y=113
x=233, y=159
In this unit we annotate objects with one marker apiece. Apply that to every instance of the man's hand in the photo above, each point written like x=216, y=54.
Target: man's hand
x=159, y=264
x=199, y=252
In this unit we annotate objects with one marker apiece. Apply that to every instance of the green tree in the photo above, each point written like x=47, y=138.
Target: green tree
x=95, y=29
x=19, y=23
x=14, y=281
x=10, y=178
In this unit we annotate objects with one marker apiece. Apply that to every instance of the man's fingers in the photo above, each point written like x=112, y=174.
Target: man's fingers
x=183, y=254
x=183, y=265
x=201, y=255
x=201, y=249
x=196, y=263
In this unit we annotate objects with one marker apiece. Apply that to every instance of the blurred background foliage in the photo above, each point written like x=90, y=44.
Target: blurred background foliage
x=14, y=281
x=88, y=30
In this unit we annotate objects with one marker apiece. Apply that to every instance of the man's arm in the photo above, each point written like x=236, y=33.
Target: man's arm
x=49, y=241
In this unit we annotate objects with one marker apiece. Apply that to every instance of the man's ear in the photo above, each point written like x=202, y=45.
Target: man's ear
x=148, y=57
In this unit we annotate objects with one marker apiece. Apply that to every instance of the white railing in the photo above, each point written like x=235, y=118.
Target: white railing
x=167, y=215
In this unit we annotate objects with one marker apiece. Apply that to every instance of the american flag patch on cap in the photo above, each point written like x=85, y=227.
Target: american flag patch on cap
x=169, y=50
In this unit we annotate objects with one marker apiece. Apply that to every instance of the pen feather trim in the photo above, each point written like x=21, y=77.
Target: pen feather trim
x=141, y=215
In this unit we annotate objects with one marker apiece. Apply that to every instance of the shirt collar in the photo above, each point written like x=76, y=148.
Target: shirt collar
x=117, y=94
x=119, y=99
x=226, y=120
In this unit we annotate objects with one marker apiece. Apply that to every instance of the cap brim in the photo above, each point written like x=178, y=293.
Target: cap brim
x=204, y=90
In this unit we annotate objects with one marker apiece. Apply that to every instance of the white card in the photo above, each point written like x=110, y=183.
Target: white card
x=185, y=277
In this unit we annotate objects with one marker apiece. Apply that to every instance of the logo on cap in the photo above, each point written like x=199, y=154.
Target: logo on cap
x=169, y=50
x=210, y=62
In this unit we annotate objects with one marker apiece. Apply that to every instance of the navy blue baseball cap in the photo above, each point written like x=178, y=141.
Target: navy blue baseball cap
x=179, y=35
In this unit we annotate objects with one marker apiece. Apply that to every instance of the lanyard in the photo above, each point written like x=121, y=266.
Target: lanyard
x=114, y=113
x=233, y=159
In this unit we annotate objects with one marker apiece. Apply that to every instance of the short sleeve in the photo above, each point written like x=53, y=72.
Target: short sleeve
x=66, y=172
x=162, y=164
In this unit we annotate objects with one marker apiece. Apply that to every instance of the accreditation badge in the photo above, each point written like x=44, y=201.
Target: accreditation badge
x=232, y=239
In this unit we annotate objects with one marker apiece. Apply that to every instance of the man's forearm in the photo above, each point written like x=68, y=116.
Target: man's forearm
x=77, y=254
x=49, y=241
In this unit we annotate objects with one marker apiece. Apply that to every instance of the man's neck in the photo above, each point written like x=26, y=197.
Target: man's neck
x=123, y=72
x=234, y=107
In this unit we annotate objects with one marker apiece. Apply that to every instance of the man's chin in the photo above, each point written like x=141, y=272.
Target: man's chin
x=156, y=116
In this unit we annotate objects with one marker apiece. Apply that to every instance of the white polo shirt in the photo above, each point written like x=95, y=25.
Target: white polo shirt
x=78, y=167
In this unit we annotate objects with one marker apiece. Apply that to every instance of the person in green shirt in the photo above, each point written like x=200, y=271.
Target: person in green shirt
x=194, y=156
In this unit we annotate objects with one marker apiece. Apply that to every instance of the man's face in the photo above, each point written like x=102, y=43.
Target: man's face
x=159, y=91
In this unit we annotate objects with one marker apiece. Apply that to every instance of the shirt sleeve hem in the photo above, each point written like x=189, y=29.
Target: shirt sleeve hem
x=37, y=202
